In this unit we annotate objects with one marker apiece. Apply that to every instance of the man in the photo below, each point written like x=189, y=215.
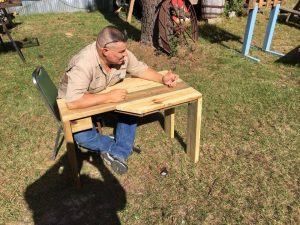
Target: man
x=99, y=65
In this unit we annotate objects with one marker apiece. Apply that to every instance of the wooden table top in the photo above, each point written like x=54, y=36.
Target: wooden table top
x=144, y=97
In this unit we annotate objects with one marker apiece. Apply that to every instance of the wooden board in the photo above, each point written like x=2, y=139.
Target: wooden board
x=292, y=12
x=250, y=4
x=194, y=129
x=146, y=96
x=81, y=124
x=161, y=101
x=133, y=84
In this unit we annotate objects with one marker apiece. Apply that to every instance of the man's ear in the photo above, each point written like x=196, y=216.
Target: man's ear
x=104, y=51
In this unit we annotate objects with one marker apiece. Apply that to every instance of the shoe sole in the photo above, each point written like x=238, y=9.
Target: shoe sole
x=117, y=166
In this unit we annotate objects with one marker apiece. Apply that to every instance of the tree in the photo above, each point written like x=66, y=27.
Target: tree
x=149, y=29
x=177, y=24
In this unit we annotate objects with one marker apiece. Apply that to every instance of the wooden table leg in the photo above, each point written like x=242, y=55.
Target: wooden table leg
x=193, y=129
x=170, y=122
x=130, y=11
x=72, y=153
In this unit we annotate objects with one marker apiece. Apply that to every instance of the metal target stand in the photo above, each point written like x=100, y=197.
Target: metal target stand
x=253, y=6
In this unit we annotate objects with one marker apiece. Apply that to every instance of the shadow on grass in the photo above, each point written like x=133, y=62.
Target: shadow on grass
x=160, y=118
x=8, y=47
x=53, y=198
x=132, y=32
x=294, y=22
x=291, y=58
x=214, y=34
x=25, y=43
x=110, y=120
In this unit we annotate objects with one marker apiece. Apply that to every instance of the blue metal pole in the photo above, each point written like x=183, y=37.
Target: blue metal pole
x=270, y=30
x=249, y=32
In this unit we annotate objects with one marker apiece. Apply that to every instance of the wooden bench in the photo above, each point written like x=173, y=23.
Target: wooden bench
x=291, y=12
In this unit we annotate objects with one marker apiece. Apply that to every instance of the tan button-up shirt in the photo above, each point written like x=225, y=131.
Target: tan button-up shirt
x=85, y=73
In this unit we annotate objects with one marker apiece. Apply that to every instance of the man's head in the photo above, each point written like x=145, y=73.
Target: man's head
x=111, y=45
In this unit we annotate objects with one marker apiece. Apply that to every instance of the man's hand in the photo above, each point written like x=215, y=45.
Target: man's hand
x=170, y=79
x=117, y=95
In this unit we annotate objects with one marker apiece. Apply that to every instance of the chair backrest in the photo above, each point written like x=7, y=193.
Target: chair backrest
x=47, y=89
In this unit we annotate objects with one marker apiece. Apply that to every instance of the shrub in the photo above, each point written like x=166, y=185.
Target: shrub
x=234, y=5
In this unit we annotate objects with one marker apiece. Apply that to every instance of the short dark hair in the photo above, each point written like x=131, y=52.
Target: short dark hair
x=110, y=34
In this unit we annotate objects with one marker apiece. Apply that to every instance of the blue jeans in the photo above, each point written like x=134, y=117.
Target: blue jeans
x=119, y=147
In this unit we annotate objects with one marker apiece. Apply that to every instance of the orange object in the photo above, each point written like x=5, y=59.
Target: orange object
x=180, y=10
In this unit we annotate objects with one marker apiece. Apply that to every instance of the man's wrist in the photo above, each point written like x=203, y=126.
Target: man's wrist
x=162, y=79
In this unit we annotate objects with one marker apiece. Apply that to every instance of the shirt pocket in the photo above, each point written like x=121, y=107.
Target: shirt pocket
x=118, y=76
x=97, y=84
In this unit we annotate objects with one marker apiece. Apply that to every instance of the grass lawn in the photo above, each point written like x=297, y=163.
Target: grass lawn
x=249, y=165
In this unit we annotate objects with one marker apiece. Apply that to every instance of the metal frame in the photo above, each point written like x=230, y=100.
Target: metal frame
x=268, y=35
x=270, y=31
x=3, y=14
x=60, y=134
x=249, y=33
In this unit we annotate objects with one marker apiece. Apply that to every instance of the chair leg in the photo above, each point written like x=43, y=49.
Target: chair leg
x=99, y=127
x=58, y=142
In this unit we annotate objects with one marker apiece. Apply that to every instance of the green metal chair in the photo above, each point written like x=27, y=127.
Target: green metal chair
x=48, y=91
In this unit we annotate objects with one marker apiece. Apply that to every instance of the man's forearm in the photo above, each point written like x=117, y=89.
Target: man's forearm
x=152, y=75
x=88, y=100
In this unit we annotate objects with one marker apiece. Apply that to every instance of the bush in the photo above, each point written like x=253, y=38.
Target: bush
x=234, y=5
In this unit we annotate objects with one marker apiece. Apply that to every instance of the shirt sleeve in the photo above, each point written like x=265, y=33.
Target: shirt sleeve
x=78, y=83
x=135, y=67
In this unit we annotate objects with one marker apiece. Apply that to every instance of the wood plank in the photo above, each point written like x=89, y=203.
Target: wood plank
x=283, y=2
x=67, y=114
x=73, y=114
x=290, y=11
x=251, y=4
x=170, y=122
x=72, y=153
x=295, y=11
x=133, y=85
x=130, y=11
x=194, y=129
x=160, y=101
x=81, y=124
x=261, y=3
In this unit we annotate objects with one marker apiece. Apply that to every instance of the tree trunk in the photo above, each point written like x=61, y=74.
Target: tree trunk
x=149, y=29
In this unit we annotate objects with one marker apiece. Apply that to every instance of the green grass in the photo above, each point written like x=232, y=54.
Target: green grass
x=249, y=165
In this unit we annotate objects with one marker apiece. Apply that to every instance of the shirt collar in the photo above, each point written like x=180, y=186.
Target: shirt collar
x=99, y=60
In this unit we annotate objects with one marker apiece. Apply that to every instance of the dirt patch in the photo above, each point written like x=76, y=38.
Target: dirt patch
x=149, y=55
x=161, y=61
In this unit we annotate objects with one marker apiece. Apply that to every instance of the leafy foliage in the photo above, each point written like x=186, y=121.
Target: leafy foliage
x=234, y=5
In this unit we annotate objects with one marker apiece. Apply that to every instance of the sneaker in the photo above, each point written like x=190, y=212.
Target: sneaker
x=82, y=149
x=116, y=164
